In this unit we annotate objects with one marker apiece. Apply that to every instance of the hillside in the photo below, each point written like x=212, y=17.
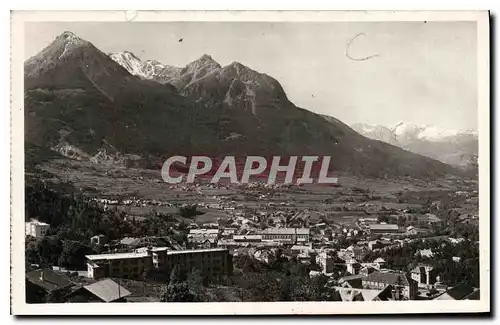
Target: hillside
x=79, y=100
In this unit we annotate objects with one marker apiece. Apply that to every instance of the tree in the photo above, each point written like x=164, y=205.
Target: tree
x=73, y=254
x=176, y=275
x=182, y=288
x=177, y=292
x=49, y=249
x=188, y=211
x=383, y=218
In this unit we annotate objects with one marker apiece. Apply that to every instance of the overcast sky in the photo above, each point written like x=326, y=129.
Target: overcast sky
x=421, y=73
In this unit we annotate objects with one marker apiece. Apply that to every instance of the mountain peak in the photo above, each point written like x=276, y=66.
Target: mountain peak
x=206, y=57
x=71, y=38
x=128, y=53
x=205, y=61
x=238, y=66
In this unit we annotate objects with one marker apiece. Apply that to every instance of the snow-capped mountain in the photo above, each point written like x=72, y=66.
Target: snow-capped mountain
x=455, y=147
x=376, y=132
x=427, y=132
x=150, y=69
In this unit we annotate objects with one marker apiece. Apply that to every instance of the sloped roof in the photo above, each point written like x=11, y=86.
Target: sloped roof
x=458, y=292
x=384, y=226
x=286, y=231
x=473, y=296
x=107, y=290
x=52, y=281
x=388, y=278
x=350, y=294
x=128, y=240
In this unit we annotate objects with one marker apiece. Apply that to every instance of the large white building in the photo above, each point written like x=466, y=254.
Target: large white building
x=131, y=265
x=36, y=228
x=286, y=235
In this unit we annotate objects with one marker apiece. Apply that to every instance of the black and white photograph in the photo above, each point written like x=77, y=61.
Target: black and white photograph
x=274, y=162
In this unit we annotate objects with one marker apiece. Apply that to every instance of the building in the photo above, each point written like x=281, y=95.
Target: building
x=130, y=265
x=383, y=228
x=354, y=294
x=352, y=281
x=263, y=255
x=380, y=262
x=232, y=244
x=36, y=228
x=98, y=240
x=105, y=290
x=425, y=253
x=287, y=235
x=247, y=238
x=410, y=230
x=326, y=262
x=352, y=266
x=228, y=232
x=462, y=291
x=201, y=236
x=368, y=269
x=45, y=285
x=357, y=252
x=375, y=244
x=212, y=261
x=300, y=249
x=400, y=282
x=424, y=274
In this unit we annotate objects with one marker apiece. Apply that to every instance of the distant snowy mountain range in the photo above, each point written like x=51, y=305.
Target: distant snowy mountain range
x=454, y=147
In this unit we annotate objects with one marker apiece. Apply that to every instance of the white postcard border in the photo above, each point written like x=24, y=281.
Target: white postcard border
x=19, y=306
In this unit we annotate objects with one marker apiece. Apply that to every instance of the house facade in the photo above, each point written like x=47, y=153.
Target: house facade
x=287, y=235
x=211, y=261
x=400, y=282
x=425, y=275
x=36, y=228
x=383, y=228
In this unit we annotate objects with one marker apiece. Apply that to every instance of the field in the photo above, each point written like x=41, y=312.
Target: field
x=354, y=197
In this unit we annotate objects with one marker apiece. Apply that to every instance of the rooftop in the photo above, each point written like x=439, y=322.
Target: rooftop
x=353, y=294
x=380, y=226
x=48, y=279
x=247, y=237
x=116, y=256
x=142, y=252
x=36, y=222
x=203, y=231
x=388, y=278
x=108, y=290
x=286, y=231
x=194, y=251
x=458, y=292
